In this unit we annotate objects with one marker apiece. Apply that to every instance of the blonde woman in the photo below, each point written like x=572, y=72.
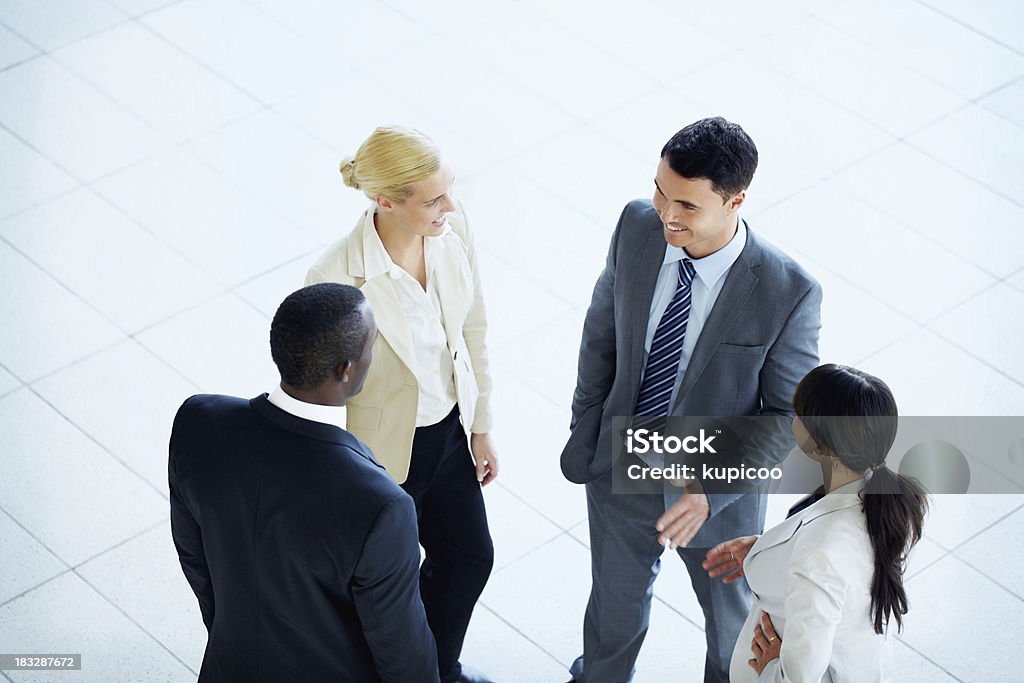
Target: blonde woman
x=412, y=255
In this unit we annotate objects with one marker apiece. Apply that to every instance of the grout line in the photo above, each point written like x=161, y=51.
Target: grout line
x=481, y=603
x=101, y=446
x=929, y=660
x=969, y=27
x=137, y=624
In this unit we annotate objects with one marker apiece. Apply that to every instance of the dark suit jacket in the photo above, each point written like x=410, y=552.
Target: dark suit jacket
x=301, y=549
x=760, y=339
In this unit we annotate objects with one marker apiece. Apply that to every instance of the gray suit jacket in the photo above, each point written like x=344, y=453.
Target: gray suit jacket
x=760, y=339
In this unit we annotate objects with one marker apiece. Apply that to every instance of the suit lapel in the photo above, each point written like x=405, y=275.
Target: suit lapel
x=739, y=284
x=387, y=311
x=647, y=264
x=453, y=287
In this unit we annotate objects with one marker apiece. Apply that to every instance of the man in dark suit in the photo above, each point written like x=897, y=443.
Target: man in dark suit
x=301, y=549
x=693, y=315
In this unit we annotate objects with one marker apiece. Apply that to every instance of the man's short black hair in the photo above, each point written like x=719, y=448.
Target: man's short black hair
x=315, y=330
x=715, y=149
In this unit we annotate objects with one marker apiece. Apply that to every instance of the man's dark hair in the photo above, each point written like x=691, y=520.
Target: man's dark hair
x=715, y=149
x=315, y=330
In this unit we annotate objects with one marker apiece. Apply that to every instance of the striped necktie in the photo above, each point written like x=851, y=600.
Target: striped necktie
x=666, y=347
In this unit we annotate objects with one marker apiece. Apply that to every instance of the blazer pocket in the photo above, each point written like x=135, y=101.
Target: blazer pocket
x=363, y=417
x=741, y=350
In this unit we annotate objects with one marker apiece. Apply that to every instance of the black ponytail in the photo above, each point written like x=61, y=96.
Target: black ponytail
x=852, y=415
x=895, y=507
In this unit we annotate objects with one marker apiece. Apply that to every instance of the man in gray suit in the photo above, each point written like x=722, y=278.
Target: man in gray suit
x=693, y=315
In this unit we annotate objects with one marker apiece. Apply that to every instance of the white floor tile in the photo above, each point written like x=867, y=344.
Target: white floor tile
x=516, y=528
x=89, y=139
x=125, y=61
x=644, y=124
x=220, y=346
x=490, y=110
x=1017, y=280
x=13, y=49
x=915, y=189
x=930, y=376
x=552, y=241
x=529, y=433
x=748, y=19
x=910, y=667
x=139, y=7
x=243, y=45
x=674, y=588
x=959, y=619
x=942, y=49
x=955, y=519
x=222, y=229
x=577, y=168
x=848, y=72
x=553, y=373
x=303, y=183
x=988, y=148
x=52, y=23
x=266, y=292
x=143, y=578
x=44, y=326
x=112, y=379
x=625, y=32
x=998, y=19
x=502, y=653
x=127, y=279
x=987, y=552
x=845, y=339
x=65, y=616
x=1008, y=102
x=986, y=327
x=25, y=563
x=331, y=26
x=505, y=289
x=781, y=114
x=674, y=649
x=882, y=257
x=26, y=177
x=8, y=382
x=54, y=476
x=924, y=553
x=444, y=13
x=567, y=596
x=577, y=77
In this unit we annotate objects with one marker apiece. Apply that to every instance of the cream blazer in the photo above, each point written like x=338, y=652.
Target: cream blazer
x=383, y=414
x=812, y=575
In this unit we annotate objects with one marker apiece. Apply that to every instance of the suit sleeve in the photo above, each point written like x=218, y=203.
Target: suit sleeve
x=185, y=530
x=793, y=355
x=814, y=604
x=387, y=597
x=474, y=331
x=595, y=372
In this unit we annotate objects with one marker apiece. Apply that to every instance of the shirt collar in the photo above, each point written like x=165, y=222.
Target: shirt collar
x=329, y=415
x=376, y=257
x=713, y=266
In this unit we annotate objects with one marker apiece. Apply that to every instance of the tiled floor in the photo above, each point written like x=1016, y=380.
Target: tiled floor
x=168, y=170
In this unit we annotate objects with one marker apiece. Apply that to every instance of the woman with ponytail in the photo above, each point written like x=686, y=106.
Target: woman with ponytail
x=424, y=410
x=828, y=581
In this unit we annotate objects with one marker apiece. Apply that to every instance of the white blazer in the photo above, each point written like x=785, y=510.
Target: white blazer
x=383, y=414
x=812, y=575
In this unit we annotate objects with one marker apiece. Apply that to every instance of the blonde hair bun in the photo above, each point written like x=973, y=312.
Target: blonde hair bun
x=390, y=161
x=348, y=172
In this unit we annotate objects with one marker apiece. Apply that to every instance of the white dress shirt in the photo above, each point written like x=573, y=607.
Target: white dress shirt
x=330, y=415
x=707, y=284
x=434, y=370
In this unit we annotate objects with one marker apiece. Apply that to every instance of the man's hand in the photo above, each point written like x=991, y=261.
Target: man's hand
x=485, y=457
x=683, y=520
x=727, y=558
x=766, y=644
